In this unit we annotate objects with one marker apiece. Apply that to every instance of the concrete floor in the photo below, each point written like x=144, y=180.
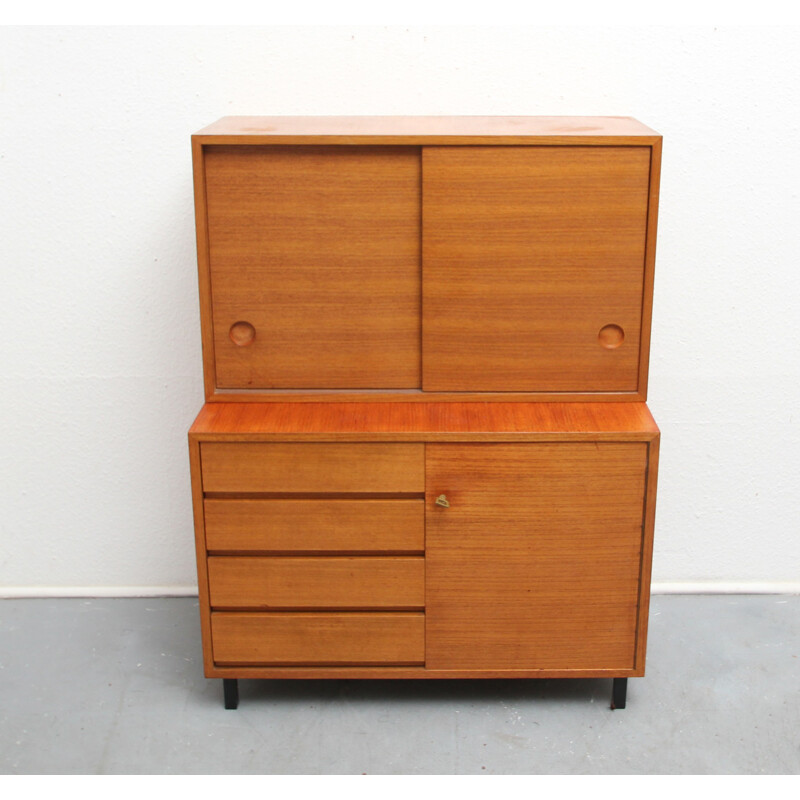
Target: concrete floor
x=116, y=686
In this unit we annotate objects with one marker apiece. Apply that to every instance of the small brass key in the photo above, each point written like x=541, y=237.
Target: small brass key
x=441, y=500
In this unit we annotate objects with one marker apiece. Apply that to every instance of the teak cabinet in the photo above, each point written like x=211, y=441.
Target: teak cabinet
x=424, y=452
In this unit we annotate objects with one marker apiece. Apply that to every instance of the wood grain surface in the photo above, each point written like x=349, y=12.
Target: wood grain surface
x=424, y=421
x=315, y=526
x=318, y=638
x=537, y=561
x=420, y=672
x=318, y=250
x=528, y=255
x=459, y=130
x=285, y=582
x=312, y=468
x=653, y=449
x=196, y=475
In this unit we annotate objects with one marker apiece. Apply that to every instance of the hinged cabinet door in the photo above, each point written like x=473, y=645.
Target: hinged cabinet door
x=535, y=562
x=533, y=268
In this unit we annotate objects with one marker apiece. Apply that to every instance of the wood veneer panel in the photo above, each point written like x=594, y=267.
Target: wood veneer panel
x=425, y=421
x=315, y=525
x=647, y=552
x=533, y=267
x=317, y=583
x=536, y=563
x=310, y=468
x=423, y=130
x=407, y=673
x=318, y=638
x=204, y=275
x=418, y=396
x=649, y=268
x=200, y=552
x=317, y=250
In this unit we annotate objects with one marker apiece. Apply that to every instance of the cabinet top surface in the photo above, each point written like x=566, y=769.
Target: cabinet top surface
x=445, y=130
x=426, y=421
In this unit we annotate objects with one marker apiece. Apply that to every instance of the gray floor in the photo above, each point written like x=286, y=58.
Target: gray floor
x=116, y=686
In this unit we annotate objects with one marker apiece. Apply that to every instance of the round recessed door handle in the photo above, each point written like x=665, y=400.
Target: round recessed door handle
x=442, y=501
x=242, y=333
x=611, y=337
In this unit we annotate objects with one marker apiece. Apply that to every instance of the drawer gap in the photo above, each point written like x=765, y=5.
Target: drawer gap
x=420, y=610
x=318, y=609
x=314, y=495
x=319, y=663
x=318, y=553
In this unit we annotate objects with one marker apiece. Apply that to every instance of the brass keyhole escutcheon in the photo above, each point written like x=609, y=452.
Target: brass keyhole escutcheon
x=442, y=501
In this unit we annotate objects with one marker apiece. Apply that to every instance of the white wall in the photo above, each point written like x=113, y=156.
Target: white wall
x=101, y=369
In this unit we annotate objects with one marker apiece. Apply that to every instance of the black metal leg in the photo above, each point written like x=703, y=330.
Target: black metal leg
x=619, y=693
x=230, y=689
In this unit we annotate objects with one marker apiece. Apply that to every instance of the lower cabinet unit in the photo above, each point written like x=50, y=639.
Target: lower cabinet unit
x=424, y=540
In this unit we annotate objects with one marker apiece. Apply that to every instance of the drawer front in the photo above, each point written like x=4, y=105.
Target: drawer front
x=267, y=467
x=299, y=526
x=317, y=638
x=321, y=583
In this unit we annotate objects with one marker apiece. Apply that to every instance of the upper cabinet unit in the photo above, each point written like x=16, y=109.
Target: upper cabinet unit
x=426, y=258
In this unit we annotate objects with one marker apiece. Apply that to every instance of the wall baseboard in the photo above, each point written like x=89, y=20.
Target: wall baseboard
x=665, y=587
x=725, y=587
x=9, y=592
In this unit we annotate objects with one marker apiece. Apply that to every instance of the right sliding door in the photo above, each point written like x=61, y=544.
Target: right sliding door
x=533, y=267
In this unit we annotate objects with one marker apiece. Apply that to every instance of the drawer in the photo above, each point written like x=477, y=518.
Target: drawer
x=321, y=583
x=266, y=467
x=318, y=638
x=361, y=526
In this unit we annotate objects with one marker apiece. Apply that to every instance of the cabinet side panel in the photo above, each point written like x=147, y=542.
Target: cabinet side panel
x=533, y=268
x=649, y=266
x=317, y=250
x=203, y=270
x=647, y=552
x=536, y=563
x=200, y=551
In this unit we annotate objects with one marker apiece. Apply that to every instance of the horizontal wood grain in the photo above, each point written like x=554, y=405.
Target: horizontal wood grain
x=424, y=130
x=318, y=638
x=317, y=583
x=418, y=396
x=407, y=673
x=529, y=254
x=251, y=467
x=425, y=421
x=537, y=561
x=314, y=260
x=315, y=525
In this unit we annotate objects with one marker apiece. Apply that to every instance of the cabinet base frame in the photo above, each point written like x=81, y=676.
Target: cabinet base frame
x=230, y=690
x=619, y=693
